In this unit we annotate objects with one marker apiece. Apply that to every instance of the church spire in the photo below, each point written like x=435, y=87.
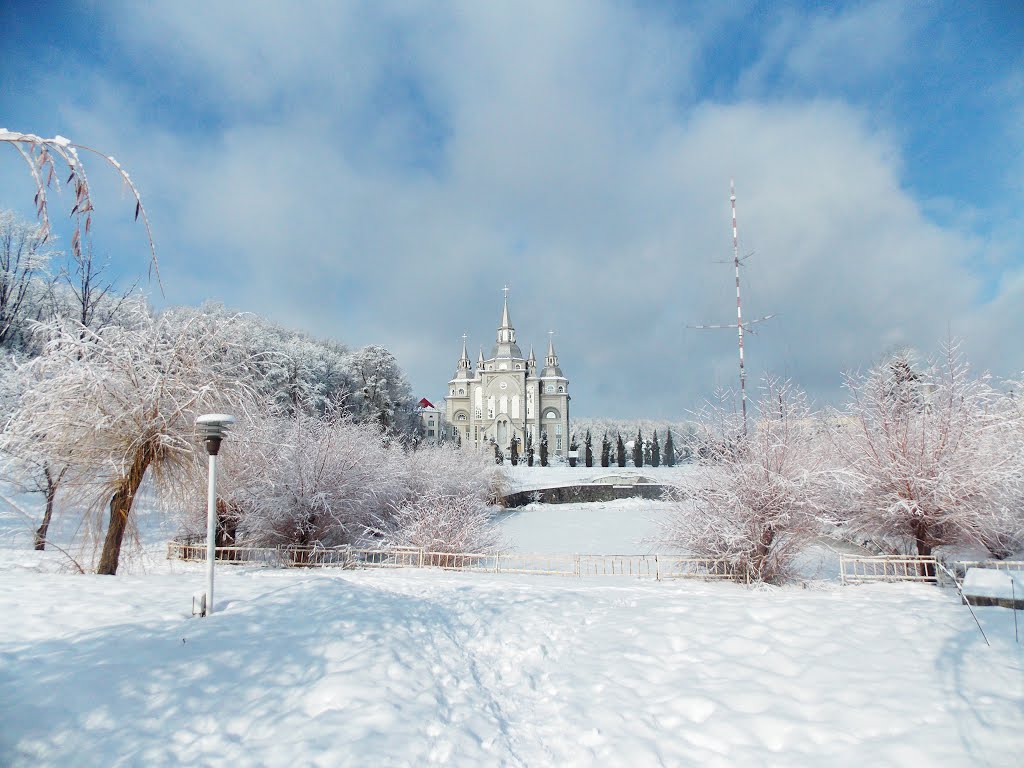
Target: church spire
x=464, y=368
x=552, y=358
x=505, y=343
x=551, y=368
x=505, y=322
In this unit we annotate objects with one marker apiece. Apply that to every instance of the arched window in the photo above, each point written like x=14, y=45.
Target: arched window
x=561, y=389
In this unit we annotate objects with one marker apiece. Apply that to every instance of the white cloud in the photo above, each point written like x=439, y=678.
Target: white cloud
x=571, y=160
x=841, y=46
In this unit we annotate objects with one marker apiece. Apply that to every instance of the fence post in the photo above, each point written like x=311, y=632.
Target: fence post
x=576, y=565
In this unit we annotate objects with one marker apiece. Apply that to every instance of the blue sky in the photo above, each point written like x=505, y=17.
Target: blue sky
x=376, y=172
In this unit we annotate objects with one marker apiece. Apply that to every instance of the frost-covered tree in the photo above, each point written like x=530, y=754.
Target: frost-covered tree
x=529, y=449
x=933, y=456
x=24, y=261
x=588, y=448
x=606, y=450
x=638, y=450
x=620, y=451
x=382, y=392
x=121, y=401
x=514, y=452
x=756, y=508
x=574, y=448
x=83, y=293
x=655, y=451
x=544, y=449
x=28, y=470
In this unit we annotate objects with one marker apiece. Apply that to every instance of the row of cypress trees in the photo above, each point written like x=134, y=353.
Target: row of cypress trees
x=649, y=452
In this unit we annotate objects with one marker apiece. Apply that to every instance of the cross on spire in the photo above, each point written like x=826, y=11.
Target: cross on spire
x=505, y=290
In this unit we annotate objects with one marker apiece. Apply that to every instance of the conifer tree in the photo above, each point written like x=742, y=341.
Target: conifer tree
x=514, y=454
x=543, y=449
x=588, y=449
x=670, y=451
x=574, y=448
x=529, y=450
x=638, y=450
x=620, y=452
x=655, y=451
x=606, y=450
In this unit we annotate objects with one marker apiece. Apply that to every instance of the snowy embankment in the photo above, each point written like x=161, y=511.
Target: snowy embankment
x=434, y=668
x=525, y=478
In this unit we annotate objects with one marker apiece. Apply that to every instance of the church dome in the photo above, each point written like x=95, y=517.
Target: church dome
x=552, y=371
x=507, y=350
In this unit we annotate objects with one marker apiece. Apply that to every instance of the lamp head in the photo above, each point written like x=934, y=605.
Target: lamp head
x=212, y=427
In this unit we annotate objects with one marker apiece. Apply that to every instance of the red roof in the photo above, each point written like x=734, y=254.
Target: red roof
x=424, y=403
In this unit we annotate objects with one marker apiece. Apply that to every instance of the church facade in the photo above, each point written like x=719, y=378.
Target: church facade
x=507, y=398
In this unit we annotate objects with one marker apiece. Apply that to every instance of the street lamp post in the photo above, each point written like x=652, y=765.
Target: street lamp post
x=212, y=427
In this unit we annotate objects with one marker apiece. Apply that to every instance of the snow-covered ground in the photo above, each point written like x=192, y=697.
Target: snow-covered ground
x=405, y=667
x=624, y=526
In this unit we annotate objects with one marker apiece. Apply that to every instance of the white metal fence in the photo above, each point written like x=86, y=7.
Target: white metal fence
x=853, y=569
x=640, y=566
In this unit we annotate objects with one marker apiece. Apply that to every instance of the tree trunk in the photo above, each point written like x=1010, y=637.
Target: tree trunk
x=921, y=538
x=51, y=493
x=924, y=547
x=120, y=507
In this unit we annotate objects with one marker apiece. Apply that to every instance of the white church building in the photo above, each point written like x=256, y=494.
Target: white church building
x=507, y=397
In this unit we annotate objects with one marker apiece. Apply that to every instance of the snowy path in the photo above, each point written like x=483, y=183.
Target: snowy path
x=432, y=668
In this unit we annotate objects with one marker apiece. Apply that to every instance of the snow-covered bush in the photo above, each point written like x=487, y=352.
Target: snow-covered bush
x=303, y=479
x=447, y=503
x=439, y=522
x=754, y=507
x=328, y=481
x=932, y=456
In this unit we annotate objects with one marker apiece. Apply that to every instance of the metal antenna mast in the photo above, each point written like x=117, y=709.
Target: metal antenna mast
x=738, y=325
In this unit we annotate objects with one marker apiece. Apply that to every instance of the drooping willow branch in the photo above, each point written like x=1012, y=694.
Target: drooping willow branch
x=43, y=156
